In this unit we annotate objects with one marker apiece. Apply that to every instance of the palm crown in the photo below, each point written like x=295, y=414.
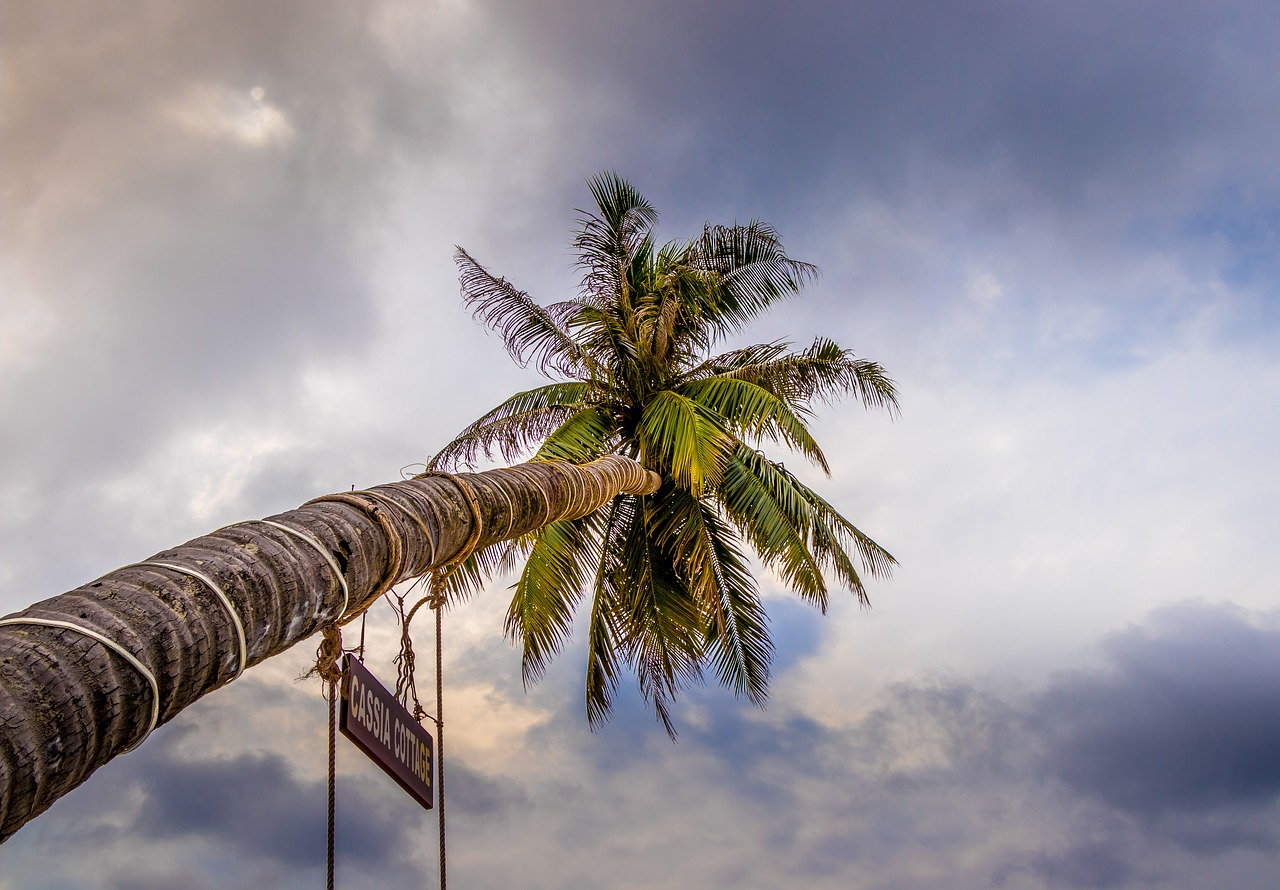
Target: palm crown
x=668, y=574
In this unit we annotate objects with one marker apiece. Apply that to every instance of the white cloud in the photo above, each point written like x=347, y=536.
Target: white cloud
x=26, y=327
x=238, y=115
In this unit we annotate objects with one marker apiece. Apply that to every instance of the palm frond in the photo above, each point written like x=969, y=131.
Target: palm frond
x=603, y=630
x=827, y=371
x=739, y=645
x=752, y=269
x=833, y=535
x=513, y=427
x=824, y=371
x=531, y=333
x=542, y=604
x=516, y=551
x=826, y=535
x=661, y=629
x=773, y=515
x=469, y=576
x=709, y=559
x=602, y=333
x=684, y=440
x=606, y=243
x=751, y=411
x=739, y=360
x=586, y=435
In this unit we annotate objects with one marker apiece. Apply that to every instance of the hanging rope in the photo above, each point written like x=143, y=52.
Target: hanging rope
x=330, y=648
x=333, y=783
x=406, y=660
x=438, y=598
x=438, y=605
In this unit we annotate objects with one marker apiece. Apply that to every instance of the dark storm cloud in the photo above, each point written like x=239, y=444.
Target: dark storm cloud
x=1169, y=752
x=474, y=795
x=1098, y=865
x=1182, y=731
x=1173, y=745
x=788, y=99
x=253, y=806
x=1154, y=767
x=1092, y=156
x=164, y=880
x=251, y=812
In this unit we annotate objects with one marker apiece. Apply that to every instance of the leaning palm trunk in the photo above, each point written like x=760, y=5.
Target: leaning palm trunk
x=69, y=703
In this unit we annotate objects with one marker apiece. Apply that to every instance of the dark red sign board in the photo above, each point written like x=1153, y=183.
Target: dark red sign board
x=372, y=718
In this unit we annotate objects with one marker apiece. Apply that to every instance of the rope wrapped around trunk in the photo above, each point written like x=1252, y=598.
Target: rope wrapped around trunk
x=69, y=703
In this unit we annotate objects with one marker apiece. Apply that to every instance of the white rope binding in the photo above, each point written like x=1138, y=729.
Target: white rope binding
x=323, y=551
x=226, y=604
x=115, y=647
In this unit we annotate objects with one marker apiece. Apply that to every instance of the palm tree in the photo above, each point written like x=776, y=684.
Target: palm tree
x=85, y=675
x=629, y=356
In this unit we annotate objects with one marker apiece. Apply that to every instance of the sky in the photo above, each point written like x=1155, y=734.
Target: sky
x=228, y=287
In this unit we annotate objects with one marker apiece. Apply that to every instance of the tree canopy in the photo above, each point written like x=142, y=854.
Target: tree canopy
x=634, y=371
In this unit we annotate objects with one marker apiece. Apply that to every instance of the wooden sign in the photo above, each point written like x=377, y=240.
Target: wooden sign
x=377, y=724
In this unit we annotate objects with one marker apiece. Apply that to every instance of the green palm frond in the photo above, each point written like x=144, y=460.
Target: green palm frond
x=542, y=604
x=607, y=243
x=751, y=411
x=832, y=537
x=586, y=435
x=829, y=371
x=773, y=514
x=827, y=536
x=512, y=428
x=711, y=560
x=683, y=440
x=532, y=333
x=738, y=361
x=739, y=646
x=824, y=371
x=602, y=333
x=752, y=269
x=603, y=629
x=469, y=576
x=661, y=630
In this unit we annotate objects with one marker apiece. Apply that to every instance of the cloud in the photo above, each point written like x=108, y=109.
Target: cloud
x=1097, y=865
x=143, y=879
x=1169, y=753
x=253, y=807
x=242, y=116
x=945, y=783
x=1162, y=759
x=1182, y=731
x=248, y=819
x=483, y=797
x=225, y=268
x=1047, y=105
x=191, y=197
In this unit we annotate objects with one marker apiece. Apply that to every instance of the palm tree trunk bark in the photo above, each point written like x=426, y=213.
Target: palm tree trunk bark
x=69, y=703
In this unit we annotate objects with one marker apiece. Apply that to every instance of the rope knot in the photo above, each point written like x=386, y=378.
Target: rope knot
x=328, y=653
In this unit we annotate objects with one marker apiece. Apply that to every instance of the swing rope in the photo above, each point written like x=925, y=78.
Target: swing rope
x=439, y=610
x=333, y=781
x=330, y=649
x=438, y=599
